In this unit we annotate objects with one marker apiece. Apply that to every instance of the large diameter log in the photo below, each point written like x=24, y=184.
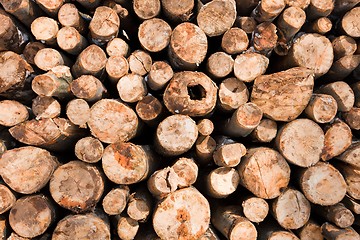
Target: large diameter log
x=91, y=61
x=284, y=95
x=190, y=93
x=27, y=169
x=131, y=88
x=127, y=163
x=31, y=216
x=220, y=64
x=80, y=225
x=342, y=93
x=154, y=34
x=221, y=182
x=264, y=172
x=266, y=131
x=332, y=232
x=24, y=10
x=45, y=29
x=310, y=231
x=7, y=199
x=291, y=209
x=89, y=149
x=78, y=112
x=255, y=209
x=322, y=108
x=183, y=214
x=352, y=118
x=12, y=113
x=69, y=16
x=120, y=124
x=351, y=154
x=178, y=11
x=232, y=94
x=267, y=11
x=322, y=184
x=188, y=46
x=301, y=142
x=147, y=9
x=350, y=23
x=159, y=75
x=116, y=200
x=77, y=186
x=229, y=221
x=87, y=87
x=248, y=66
x=337, y=214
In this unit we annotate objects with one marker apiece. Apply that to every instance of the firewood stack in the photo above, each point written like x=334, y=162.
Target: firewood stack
x=180, y=119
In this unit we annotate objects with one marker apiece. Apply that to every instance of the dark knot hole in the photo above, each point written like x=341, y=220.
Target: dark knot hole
x=196, y=92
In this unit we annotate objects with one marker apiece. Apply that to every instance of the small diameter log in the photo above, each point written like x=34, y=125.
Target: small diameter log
x=188, y=46
x=352, y=118
x=264, y=39
x=54, y=83
x=248, y=66
x=186, y=172
x=219, y=65
x=228, y=153
x=264, y=132
x=267, y=11
x=243, y=121
x=319, y=8
x=147, y=9
x=183, y=214
x=229, y=221
x=245, y=7
x=127, y=163
x=343, y=68
x=190, y=93
x=221, y=182
x=70, y=40
x=264, y=172
x=352, y=204
x=117, y=47
x=310, y=231
x=89, y=149
x=350, y=23
x=10, y=37
x=89, y=4
x=248, y=24
x=234, y=41
x=126, y=227
x=12, y=113
x=30, y=51
x=255, y=209
x=175, y=135
x=322, y=184
x=154, y=34
x=31, y=215
x=204, y=149
x=78, y=112
x=162, y=182
x=88, y=87
x=7, y=199
x=338, y=138
x=120, y=124
x=69, y=16
x=116, y=67
x=104, y=25
x=45, y=107
x=140, y=62
x=139, y=205
x=178, y=11
x=131, y=88
x=116, y=200
x=343, y=46
x=290, y=22
x=342, y=93
x=351, y=175
x=51, y=8
x=80, y=225
x=24, y=10
x=91, y=61
x=321, y=26
x=48, y=58
x=320, y=59
x=291, y=209
x=77, y=186
x=284, y=95
x=205, y=127
x=149, y=109
x=45, y=30
x=332, y=232
x=337, y=214
x=159, y=75
x=27, y=169
x=322, y=108
x=351, y=154
x=301, y=142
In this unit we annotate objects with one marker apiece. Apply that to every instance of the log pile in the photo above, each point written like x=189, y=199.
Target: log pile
x=190, y=119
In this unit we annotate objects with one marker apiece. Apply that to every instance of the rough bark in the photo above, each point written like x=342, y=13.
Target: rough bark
x=30, y=51
x=319, y=8
x=332, y=232
x=343, y=46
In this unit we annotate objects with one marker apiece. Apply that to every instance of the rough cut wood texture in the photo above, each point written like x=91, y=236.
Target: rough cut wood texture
x=91, y=60
x=321, y=26
x=337, y=214
x=220, y=65
x=116, y=67
x=70, y=40
x=30, y=51
x=45, y=29
x=232, y=94
x=87, y=87
x=342, y=93
x=322, y=108
x=24, y=10
x=332, y=232
x=154, y=34
x=221, y=182
x=267, y=11
x=352, y=118
x=140, y=62
x=132, y=88
x=7, y=199
x=12, y=113
x=89, y=149
x=248, y=66
x=159, y=75
x=69, y=16
x=350, y=23
x=78, y=112
x=265, y=132
x=234, y=41
x=310, y=231
x=228, y=153
x=127, y=228
x=47, y=58
x=146, y=9
x=45, y=107
x=11, y=37
x=139, y=205
x=178, y=11
x=255, y=209
x=50, y=7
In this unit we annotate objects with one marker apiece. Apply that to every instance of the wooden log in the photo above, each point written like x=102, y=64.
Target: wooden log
x=139, y=205
x=248, y=24
x=291, y=209
x=70, y=40
x=178, y=12
x=205, y=126
x=270, y=231
x=116, y=67
x=24, y=10
x=219, y=65
x=126, y=227
x=7, y=142
x=204, y=149
x=162, y=182
x=154, y=34
x=132, y=88
x=243, y=121
x=91, y=61
x=210, y=234
x=290, y=22
x=319, y=8
x=352, y=204
x=342, y=68
x=127, y=163
x=80, y=225
x=310, y=231
x=337, y=214
x=264, y=38
x=351, y=175
x=140, y=62
x=48, y=58
x=350, y=23
x=255, y=63
x=187, y=38
x=51, y=8
x=321, y=26
x=337, y=139
x=38, y=208
x=257, y=172
x=332, y=232
x=27, y=169
x=77, y=186
x=264, y=132
x=45, y=107
x=229, y=221
x=150, y=110
x=78, y=112
x=221, y=182
x=12, y=113
x=147, y=9
x=117, y=47
x=228, y=153
x=89, y=149
x=159, y=75
x=115, y=201
x=342, y=6
x=92, y=4
x=303, y=4
x=88, y=87
x=244, y=8
x=120, y=124
x=7, y=199
x=352, y=118
x=183, y=214
x=322, y=108
x=267, y=11
x=343, y=46
x=322, y=184
x=273, y=95
x=4, y=229
x=190, y=93
x=356, y=89
x=45, y=30
x=30, y=51
x=11, y=37
x=351, y=154
x=255, y=209
x=234, y=41
x=69, y=16
x=186, y=171
x=342, y=93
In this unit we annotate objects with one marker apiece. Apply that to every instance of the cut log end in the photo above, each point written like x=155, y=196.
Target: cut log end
x=255, y=209
x=115, y=201
x=234, y=40
x=256, y=65
x=222, y=182
x=154, y=34
x=46, y=107
x=78, y=112
x=220, y=64
x=12, y=113
x=132, y=88
x=89, y=150
x=159, y=75
x=7, y=199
